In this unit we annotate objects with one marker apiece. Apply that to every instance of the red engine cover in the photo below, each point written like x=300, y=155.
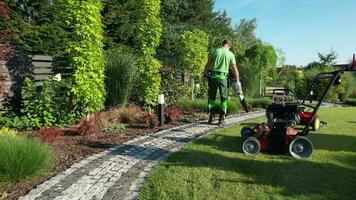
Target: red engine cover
x=305, y=117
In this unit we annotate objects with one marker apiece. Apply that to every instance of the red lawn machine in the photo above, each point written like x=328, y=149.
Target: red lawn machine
x=279, y=134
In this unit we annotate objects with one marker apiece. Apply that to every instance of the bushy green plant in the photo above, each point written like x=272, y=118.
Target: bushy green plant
x=21, y=158
x=13, y=121
x=86, y=51
x=259, y=102
x=170, y=86
x=47, y=105
x=7, y=132
x=120, y=74
x=114, y=127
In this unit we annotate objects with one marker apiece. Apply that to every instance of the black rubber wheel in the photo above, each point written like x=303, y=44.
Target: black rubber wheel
x=301, y=147
x=316, y=123
x=246, y=132
x=251, y=146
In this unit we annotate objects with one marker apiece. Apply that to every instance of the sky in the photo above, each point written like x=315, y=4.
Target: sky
x=301, y=28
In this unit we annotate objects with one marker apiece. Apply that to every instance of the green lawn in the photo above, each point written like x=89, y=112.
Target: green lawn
x=214, y=167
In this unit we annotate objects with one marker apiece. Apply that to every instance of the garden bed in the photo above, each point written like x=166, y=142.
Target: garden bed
x=71, y=149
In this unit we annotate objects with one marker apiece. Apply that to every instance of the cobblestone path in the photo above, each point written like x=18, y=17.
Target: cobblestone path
x=119, y=172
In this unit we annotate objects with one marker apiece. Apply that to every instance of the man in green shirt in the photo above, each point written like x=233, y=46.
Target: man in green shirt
x=217, y=69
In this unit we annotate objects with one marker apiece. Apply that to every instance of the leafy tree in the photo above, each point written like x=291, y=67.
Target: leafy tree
x=86, y=51
x=149, y=30
x=263, y=58
x=244, y=38
x=185, y=15
x=328, y=59
x=194, y=44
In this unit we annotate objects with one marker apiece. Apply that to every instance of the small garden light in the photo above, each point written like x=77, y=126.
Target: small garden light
x=161, y=103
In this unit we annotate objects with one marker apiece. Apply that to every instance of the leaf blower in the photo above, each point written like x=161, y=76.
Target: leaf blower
x=237, y=89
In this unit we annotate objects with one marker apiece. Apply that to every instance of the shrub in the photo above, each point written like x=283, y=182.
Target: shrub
x=197, y=104
x=351, y=102
x=48, y=134
x=202, y=104
x=7, y=132
x=47, y=105
x=86, y=127
x=15, y=122
x=120, y=73
x=172, y=114
x=259, y=102
x=131, y=115
x=21, y=158
x=114, y=127
x=170, y=86
x=151, y=120
x=233, y=106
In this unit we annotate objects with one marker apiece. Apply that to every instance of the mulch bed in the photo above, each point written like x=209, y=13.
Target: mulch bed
x=69, y=150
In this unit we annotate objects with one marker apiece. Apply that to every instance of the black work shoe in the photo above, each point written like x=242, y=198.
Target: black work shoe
x=222, y=120
x=211, y=118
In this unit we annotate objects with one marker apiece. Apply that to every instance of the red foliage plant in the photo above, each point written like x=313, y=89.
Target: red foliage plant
x=5, y=35
x=49, y=134
x=4, y=10
x=172, y=114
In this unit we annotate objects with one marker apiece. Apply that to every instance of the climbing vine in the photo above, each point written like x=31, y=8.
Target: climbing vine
x=148, y=35
x=86, y=51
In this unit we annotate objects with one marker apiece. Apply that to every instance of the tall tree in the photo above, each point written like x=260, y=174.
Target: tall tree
x=194, y=44
x=263, y=58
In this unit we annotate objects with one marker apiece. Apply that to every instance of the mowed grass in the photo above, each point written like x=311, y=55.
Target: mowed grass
x=214, y=167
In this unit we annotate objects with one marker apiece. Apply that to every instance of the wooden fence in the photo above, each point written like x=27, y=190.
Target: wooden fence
x=42, y=68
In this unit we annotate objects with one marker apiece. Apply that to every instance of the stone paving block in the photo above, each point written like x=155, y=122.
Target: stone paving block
x=120, y=172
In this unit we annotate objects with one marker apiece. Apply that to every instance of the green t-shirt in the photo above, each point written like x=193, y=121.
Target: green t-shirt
x=222, y=59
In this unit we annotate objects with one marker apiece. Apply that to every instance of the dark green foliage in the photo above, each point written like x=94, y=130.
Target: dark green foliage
x=120, y=76
x=337, y=92
x=22, y=158
x=171, y=87
x=351, y=102
x=38, y=26
x=179, y=16
x=120, y=18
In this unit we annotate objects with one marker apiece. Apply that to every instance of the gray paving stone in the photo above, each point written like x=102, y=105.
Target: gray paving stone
x=120, y=172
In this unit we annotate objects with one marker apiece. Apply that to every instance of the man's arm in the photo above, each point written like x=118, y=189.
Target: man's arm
x=236, y=72
x=207, y=67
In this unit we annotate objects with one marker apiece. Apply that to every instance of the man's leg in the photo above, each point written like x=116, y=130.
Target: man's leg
x=213, y=87
x=223, y=89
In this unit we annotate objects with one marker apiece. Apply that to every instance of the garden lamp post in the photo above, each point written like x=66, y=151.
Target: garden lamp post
x=161, y=103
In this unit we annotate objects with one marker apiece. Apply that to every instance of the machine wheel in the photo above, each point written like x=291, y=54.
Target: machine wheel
x=300, y=147
x=246, y=132
x=251, y=146
x=316, y=123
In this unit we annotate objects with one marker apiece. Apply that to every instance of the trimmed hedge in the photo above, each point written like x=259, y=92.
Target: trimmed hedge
x=259, y=102
x=351, y=101
x=202, y=104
